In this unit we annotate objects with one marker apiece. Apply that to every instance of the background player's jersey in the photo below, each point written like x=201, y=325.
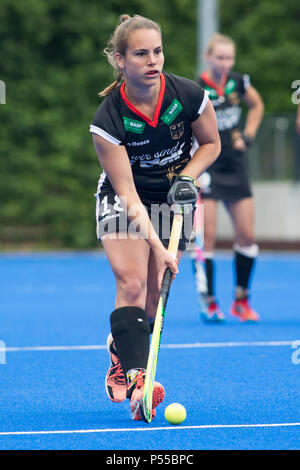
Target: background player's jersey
x=157, y=149
x=226, y=100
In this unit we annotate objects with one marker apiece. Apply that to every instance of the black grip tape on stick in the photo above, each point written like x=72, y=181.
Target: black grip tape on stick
x=165, y=286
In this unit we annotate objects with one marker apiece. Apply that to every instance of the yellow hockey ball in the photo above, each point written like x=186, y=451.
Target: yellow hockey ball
x=175, y=413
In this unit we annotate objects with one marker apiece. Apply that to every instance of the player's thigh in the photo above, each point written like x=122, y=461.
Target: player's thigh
x=242, y=215
x=210, y=223
x=128, y=257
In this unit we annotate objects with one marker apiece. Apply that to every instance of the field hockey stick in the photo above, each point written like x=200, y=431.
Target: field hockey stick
x=146, y=408
x=198, y=260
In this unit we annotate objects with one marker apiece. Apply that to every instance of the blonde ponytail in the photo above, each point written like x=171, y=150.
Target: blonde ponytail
x=112, y=86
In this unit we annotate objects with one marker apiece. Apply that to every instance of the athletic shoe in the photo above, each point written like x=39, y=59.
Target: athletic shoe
x=213, y=313
x=136, y=393
x=242, y=310
x=115, y=380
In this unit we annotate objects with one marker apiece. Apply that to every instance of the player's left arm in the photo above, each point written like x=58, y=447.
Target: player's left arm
x=255, y=113
x=205, y=130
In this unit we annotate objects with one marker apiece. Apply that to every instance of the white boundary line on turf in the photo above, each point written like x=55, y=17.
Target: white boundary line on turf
x=165, y=428
x=94, y=347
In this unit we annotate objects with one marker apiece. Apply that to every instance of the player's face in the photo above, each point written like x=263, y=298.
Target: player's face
x=144, y=59
x=221, y=59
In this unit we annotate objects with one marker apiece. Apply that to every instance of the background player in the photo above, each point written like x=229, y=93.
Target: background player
x=229, y=180
x=142, y=133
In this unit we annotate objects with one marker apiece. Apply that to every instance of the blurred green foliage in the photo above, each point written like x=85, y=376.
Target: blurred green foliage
x=53, y=68
x=267, y=36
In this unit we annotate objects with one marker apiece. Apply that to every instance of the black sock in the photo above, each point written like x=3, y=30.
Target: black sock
x=243, y=269
x=130, y=331
x=210, y=275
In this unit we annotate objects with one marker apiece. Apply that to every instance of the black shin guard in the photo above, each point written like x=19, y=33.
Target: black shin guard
x=243, y=268
x=130, y=330
x=210, y=276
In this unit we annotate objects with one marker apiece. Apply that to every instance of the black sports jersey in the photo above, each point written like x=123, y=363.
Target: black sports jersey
x=157, y=149
x=226, y=100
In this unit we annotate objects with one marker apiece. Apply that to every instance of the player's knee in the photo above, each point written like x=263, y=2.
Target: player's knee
x=209, y=244
x=132, y=289
x=246, y=239
x=209, y=240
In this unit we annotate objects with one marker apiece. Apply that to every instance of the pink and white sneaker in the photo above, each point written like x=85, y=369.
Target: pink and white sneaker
x=115, y=380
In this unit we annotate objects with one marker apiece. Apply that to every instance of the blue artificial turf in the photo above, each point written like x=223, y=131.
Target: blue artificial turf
x=65, y=300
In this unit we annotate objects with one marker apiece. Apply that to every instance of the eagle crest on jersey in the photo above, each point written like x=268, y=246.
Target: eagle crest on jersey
x=234, y=98
x=177, y=130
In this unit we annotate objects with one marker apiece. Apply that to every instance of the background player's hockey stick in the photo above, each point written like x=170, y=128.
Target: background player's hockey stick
x=146, y=408
x=198, y=262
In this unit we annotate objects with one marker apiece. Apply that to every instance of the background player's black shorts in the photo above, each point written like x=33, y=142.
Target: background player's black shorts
x=111, y=218
x=229, y=177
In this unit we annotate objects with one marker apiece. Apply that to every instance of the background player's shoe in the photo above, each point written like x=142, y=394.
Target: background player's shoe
x=242, y=310
x=136, y=393
x=115, y=380
x=213, y=313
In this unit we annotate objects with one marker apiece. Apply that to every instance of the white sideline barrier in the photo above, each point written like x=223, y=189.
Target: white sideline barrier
x=277, y=212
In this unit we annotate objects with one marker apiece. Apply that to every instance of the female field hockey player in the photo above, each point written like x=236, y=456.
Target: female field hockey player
x=228, y=176
x=142, y=133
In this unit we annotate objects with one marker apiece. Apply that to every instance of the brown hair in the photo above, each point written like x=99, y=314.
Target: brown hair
x=218, y=38
x=119, y=40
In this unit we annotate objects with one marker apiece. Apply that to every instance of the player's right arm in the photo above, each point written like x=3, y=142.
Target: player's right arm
x=254, y=117
x=115, y=162
x=256, y=110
